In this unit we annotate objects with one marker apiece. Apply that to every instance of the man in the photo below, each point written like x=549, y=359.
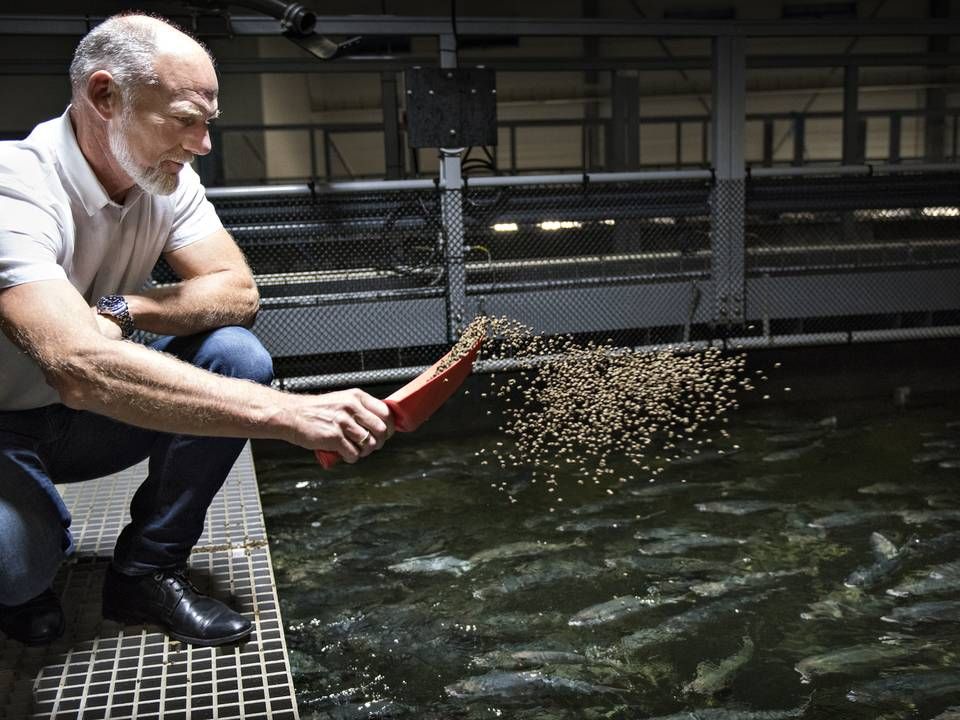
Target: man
x=88, y=202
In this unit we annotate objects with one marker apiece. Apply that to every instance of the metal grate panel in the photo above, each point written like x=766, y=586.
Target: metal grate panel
x=104, y=670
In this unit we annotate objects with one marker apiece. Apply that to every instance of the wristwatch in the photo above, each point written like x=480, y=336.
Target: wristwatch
x=115, y=306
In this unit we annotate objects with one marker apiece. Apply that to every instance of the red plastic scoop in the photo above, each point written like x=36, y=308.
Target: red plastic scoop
x=420, y=398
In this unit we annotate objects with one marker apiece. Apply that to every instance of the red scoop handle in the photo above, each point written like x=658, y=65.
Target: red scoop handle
x=420, y=398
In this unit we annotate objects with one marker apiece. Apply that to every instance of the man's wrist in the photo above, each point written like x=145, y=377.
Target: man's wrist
x=115, y=307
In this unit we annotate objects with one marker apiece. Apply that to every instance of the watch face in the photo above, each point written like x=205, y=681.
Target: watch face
x=111, y=304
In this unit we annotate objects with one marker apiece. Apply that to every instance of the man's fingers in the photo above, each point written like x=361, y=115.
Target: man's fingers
x=373, y=416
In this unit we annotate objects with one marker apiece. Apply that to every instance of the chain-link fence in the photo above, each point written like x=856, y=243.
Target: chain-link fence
x=846, y=258
x=369, y=282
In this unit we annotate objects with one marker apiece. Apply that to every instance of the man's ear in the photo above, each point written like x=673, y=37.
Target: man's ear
x=103, y=94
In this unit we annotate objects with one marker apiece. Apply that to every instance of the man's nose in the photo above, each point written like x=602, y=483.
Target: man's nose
x=198, y=142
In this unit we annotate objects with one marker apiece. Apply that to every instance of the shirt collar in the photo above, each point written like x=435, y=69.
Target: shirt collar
x=80, y=175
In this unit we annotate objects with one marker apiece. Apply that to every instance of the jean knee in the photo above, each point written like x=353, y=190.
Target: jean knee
x=31, y=551
x=236, y=352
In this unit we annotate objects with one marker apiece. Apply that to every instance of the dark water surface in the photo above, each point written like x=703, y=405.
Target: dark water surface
x=740, y=562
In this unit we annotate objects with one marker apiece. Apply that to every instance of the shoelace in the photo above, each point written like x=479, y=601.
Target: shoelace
x=178, y=577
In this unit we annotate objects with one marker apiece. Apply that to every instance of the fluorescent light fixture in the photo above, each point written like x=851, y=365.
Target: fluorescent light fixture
x=608, y=222
x=560, y=224
x=505, y=227
x=941, y=211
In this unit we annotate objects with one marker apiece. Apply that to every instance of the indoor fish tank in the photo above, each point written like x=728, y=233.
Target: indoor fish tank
x=803, y=567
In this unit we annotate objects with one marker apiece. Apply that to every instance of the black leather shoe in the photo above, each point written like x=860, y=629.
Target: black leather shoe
x=168, y=599
x=36, y=622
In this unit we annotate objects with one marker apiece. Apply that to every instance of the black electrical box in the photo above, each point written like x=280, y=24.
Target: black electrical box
x=451, y=108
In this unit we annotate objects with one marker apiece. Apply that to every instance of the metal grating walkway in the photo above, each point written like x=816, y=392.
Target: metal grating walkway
x=100, y=669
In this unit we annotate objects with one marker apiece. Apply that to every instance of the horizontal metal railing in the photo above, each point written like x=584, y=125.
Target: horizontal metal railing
x=363, y=186
x=662, y=278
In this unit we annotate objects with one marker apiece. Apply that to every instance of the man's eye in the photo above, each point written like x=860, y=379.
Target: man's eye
x=186, y=120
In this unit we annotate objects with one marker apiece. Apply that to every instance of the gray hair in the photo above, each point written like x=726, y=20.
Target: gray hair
x=125, y=46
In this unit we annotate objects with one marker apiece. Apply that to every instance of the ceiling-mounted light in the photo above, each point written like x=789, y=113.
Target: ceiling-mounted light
x=296, y=22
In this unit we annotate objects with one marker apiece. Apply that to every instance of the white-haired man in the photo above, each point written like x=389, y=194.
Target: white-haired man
x=88, y=203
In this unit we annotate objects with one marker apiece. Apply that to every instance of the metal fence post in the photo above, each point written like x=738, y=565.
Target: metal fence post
x=728, y=194
x=451, y=207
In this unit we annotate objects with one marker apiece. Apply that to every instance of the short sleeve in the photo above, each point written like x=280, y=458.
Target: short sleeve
x=194, y=216
x=30, y=242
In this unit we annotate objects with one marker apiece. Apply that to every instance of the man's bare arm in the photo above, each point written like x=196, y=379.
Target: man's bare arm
x=216, y=290
x=52, y=323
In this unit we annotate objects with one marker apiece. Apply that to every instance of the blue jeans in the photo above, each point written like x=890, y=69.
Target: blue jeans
x=55, y=444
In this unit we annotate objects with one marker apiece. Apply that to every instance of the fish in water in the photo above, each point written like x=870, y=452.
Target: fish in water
x=943, y=444
x=907, y=688
x=799, y=437
x=617, y=609
x=748, y=581
x=949, y=464
x=852, y=660
x=677, y=542
x=929, y=517
x=932, y=456
x=432, y=564
x=526, y=548
x=660, y=489
x=887, y=488
x=792, y=453
x=684, y=623
x=889, y=559
x=844, y=604
x=595, y=525
x=527, y=659
x=941, y=578
x=506, y=685
x=537, y=574
x=739, y=507
x=944, y=611
x=851, y=518
x=669, y=566
x=700, y=457
x=713, y=677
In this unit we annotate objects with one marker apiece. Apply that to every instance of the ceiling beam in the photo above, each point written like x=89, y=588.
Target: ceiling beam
x=213, y=25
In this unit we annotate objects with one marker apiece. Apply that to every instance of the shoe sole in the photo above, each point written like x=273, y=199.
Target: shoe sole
x=202, y=642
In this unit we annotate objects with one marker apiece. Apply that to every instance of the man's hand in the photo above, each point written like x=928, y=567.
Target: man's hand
x=351, y=423
x=108, y=327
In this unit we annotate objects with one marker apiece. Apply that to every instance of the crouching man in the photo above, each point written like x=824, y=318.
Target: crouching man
x=88, y=203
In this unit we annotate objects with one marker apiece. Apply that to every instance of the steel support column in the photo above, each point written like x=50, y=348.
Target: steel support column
x=727, y=198
x=852, y=150
x=623, y=147
x=451, y=205
x=936, y=97
x=392, y=145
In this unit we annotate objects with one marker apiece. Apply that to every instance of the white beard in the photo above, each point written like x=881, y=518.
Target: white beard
x=153, y=180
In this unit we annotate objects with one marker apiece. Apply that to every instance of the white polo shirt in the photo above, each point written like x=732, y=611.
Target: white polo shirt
x=57, y=222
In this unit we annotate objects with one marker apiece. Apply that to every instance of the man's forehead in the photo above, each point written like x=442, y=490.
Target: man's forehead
x=188, y=81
